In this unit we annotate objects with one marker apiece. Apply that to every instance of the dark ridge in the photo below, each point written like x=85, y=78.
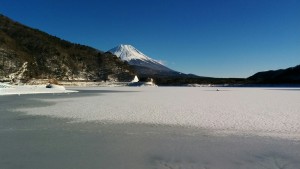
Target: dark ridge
x=283, y=76
x=50, y=57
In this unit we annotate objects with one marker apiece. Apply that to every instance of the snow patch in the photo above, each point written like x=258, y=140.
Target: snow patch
x=33, y=89
x=128, y=53
x=19, y=74
x=4, y=85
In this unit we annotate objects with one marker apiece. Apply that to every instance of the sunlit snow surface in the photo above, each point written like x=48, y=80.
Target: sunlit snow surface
x=32, y=89
x=242, y=111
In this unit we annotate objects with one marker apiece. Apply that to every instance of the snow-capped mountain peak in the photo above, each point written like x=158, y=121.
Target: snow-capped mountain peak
x=128, y=53
x=143, y=64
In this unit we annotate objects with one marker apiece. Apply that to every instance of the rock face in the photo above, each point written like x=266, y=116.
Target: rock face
x=27, y=53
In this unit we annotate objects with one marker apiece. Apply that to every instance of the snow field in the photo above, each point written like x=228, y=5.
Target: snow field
x=33, y=89
x=258, y=111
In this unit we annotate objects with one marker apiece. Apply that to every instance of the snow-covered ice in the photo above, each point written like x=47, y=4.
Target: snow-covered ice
x=123, y=122
x=31, y=89
x=245, y=111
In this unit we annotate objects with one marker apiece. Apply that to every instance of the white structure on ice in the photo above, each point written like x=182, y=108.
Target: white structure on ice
x=135, y=79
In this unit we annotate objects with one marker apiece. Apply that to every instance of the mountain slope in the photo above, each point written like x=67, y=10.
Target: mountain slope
x=289, y=75
x=144, y=65
x=27, y=53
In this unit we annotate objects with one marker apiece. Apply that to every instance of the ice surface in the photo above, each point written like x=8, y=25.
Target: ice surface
x=32, y=89
x=30, y=141
x=250, y=111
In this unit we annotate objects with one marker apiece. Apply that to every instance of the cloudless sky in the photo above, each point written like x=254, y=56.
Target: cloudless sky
x=218, y=38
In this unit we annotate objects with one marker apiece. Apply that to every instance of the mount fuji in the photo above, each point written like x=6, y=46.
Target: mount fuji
x=144, y=65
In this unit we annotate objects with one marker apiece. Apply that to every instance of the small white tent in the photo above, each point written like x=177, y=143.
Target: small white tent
x=135, y=79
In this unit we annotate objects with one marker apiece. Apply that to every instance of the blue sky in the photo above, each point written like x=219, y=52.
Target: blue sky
x=218, y=38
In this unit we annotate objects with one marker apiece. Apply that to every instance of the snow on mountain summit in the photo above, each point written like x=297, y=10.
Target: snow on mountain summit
x=128, y=53
x=143, y=64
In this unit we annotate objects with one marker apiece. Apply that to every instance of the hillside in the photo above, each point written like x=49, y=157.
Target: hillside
x=283, y=76
x=27, y=53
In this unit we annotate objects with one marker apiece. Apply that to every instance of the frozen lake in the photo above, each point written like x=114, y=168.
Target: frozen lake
x=159, y=128
x=258, y=111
